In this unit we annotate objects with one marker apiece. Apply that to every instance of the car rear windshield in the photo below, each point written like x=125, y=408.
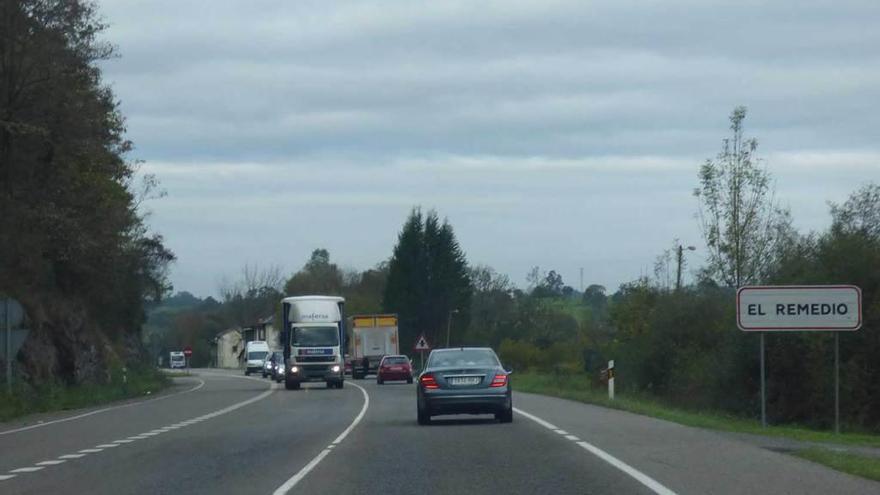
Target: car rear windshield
x=315, y=336
x=463, y=358
x=256, y=355
x=396, y=360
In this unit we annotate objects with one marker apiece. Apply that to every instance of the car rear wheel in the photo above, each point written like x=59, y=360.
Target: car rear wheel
x=424, y=417
x=379, y=380
x=505, y=416
x=409, y=380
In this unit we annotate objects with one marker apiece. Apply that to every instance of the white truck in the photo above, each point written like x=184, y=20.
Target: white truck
x=372, y=337
x=312, y=339
x=176, y=359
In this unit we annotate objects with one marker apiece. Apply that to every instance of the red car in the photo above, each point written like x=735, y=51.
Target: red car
x=394, y=368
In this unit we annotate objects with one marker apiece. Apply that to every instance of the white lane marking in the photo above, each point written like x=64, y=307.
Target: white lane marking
x=573, y=438
x=27, y=469
x=90, y=413
x=637, y=475
x=561, y=432
x=4, y=477
x=100, y=448
x=296, y=478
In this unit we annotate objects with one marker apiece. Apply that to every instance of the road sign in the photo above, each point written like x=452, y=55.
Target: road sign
x=783, y=308
x=422, y=344
x=188, y=351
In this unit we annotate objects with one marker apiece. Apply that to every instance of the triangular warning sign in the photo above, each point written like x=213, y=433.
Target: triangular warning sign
x=422, y=344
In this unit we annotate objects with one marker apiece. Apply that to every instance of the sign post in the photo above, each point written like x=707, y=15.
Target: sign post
x=800, y=308
x=187, y=352
x=13, y=338
x=422, y=345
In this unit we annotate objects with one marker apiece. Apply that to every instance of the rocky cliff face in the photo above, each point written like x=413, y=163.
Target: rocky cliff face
x=66, y=345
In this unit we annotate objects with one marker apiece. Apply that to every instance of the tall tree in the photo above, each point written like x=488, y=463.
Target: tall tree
x=741, y=221
x=71, y=224
x=428, y=282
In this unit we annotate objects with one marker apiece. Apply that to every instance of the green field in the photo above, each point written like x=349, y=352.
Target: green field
x=56, y=397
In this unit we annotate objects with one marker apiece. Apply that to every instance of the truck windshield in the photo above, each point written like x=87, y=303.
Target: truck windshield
x=315, y=336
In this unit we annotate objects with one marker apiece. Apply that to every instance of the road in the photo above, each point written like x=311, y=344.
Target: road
x=218, y=432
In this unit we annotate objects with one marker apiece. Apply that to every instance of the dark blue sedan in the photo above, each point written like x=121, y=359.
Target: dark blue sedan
x=466, y=380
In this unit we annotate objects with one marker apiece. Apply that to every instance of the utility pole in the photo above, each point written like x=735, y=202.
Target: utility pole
x=449, y=326
x=679, y=258
x=582, y=279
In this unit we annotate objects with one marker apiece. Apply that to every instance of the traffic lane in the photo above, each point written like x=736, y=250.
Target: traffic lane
x=390, y=453
x=253, y=449
x=690, y=460
x=24, y=448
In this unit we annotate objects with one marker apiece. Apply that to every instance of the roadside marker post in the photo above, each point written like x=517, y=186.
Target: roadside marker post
x=800, y=308
x=611, y=380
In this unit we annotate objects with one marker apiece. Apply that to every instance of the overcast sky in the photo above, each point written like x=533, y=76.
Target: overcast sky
x=558, y=134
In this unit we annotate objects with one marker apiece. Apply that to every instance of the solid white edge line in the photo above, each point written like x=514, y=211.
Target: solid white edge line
x=572, y=438
x=296, y=478
x=4, y=477
x=90, y=413
x=634, y=473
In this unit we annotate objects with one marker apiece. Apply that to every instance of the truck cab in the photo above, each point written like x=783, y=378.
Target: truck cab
x=176, y=359
x=313, y=337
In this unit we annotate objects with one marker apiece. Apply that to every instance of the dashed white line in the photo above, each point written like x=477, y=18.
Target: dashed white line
x=634, y=473
x=158, y=431
x=296, y=478
x=561, y=432
x=27, y=469
x=91, y=413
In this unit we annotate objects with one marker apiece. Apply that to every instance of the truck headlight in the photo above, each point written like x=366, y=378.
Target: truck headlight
x=294, y=369
x=335, y=369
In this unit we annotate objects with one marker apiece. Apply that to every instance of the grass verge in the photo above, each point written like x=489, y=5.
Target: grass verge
x=578, y=387
x=866, y=467
x=56, y=397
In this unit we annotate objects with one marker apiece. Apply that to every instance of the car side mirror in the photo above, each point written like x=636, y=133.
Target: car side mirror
x=509, y=372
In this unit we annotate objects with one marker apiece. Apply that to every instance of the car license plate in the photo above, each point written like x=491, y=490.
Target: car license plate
x=464, y=380
x=397, y=368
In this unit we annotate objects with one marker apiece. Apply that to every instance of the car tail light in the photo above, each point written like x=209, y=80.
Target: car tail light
x=429, y=382
x=499, y=381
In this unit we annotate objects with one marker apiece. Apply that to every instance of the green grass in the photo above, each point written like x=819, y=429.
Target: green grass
x=56, y=397
x=866, y=467
x=577, y=387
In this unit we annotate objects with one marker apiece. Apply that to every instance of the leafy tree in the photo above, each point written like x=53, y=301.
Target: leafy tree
x=742, y=223
x=80, y=248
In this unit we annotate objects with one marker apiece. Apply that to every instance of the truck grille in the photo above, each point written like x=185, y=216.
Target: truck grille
x=315, y=359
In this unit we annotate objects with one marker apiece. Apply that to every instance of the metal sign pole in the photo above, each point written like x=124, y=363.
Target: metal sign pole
x=763, y=387
x=837, y=383
x=8, y=347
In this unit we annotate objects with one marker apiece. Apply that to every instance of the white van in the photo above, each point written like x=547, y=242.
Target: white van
x=177, y=359
x=254, y=354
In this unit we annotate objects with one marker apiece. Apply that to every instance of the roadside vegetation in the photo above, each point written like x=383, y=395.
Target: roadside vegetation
x=585, y=388
x=858, y=465
x=54, y=396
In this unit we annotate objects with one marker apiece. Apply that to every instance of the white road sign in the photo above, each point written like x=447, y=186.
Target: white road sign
x=799, y=308
x=422, y=344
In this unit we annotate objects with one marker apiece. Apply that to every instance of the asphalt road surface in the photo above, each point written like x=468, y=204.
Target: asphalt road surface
x=219, y=432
